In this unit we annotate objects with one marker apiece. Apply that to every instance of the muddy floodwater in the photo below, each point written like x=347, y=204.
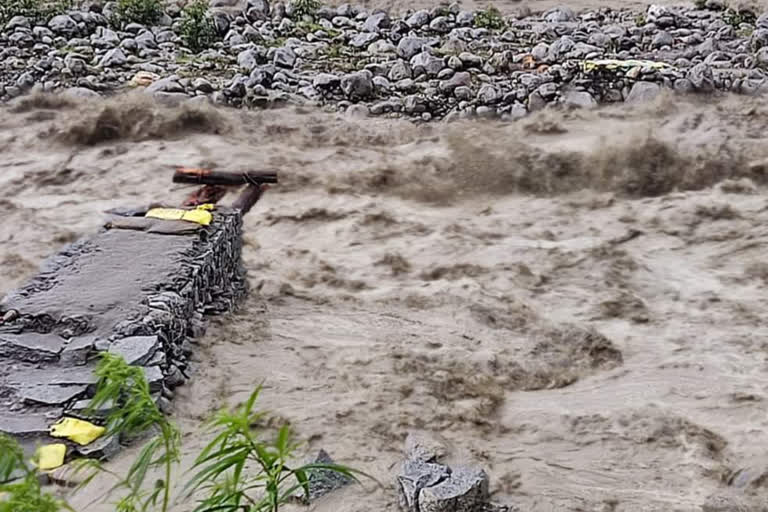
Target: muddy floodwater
x=574, y=301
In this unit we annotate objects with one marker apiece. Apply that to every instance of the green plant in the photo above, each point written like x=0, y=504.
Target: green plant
x=37, y=10
x=145, y=12
x=335, y=51
x=197, y=28
x=736, y=18
x=640, y=19
x=134, y=414
x=489, y=18
x=700, y=4
x=238, y=462
x=303, y=8
x=23, y=494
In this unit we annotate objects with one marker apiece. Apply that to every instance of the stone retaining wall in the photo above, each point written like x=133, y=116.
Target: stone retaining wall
x=141, y=292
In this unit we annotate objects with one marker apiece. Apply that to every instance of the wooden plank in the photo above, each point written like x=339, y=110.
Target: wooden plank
x=209, y=177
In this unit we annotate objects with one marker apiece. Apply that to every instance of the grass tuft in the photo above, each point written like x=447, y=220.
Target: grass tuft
x=490, y=18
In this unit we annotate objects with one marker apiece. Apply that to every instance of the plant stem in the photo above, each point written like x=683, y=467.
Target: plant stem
x=167, y=489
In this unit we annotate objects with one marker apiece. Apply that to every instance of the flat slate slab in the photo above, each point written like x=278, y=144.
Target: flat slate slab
x=127, y=290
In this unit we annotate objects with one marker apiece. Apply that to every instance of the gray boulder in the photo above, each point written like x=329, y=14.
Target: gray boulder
x=578, y=99
x=416, y=475
x=63, y=24
x=560, y=15
x=249, y=59
x=458, y=80
x=357, y=85
x=400, y=71
x=363, y=39
x=376, y=22
x=258, y=10
x=440, y=25
x=662, y=38
x=113, y=58
x=426, y=63
x=488, y=94
x=418, y=19
x=410, y=46
x=284, y=57
x=324, y=81
x=18, y=22
x=465, y=490
x=702, y=78
x=642, y=92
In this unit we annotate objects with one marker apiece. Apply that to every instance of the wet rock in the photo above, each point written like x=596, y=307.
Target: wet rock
x=578, y=99
x=102, y=449
x=51, y=394
x=136, y=350
x=202, y=85
x=168, y=84
x=642, y=92
x=31, y=347
x=357, y=85
x=78, y=350
x=415, y=104
x=702, y=78
x=358, y=111
x=424, y=448
x=174, y=378
x=414, y=476
x=466, y=489
x=322, y=481
x=26, y=425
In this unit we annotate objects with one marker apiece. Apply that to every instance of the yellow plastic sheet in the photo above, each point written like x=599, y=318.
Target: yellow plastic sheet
x=200, y=215
x=51, y=456
x=79, y=431
x=590, y=65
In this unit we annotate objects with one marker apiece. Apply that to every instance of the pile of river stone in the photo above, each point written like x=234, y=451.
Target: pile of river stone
x=429, y=64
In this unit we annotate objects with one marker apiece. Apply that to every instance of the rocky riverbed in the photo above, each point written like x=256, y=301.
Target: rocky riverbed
x=438, y=63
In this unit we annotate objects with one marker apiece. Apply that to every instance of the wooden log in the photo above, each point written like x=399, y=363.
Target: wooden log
x=249, y=196
x=206, y=194
x=209, y=177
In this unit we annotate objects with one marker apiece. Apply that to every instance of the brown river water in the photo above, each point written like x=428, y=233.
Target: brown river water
x=575, y=301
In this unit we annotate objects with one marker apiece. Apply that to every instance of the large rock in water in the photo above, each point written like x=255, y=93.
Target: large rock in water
x=426, y=485
x=465, y=490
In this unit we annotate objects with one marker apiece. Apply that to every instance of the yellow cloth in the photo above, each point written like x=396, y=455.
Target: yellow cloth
x=51, y=456
x=79, y=431
x=200, y=215
x=590, y=65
